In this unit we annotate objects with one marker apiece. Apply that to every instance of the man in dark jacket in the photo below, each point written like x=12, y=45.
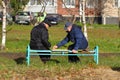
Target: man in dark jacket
x=76, y=36
x=39, y=38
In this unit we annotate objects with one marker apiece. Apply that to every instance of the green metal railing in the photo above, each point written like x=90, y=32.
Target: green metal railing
x=30, y=52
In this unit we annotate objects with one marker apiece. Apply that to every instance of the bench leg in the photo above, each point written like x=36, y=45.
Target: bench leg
x=28, y=57
x=96, y=55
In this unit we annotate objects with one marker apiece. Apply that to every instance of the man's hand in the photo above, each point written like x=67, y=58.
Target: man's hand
x=55, y=47
x=74, y=51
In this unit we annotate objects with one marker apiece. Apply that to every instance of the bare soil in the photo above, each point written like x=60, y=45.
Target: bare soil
x=100, y=73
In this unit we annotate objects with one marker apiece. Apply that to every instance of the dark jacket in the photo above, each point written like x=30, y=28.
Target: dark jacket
x=39, y=37
x=77, y=37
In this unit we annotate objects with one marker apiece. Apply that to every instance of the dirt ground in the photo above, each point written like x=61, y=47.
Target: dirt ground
x=101, y=73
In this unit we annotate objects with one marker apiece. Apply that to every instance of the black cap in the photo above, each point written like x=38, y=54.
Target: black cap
x=47, y=22
x=67, y=24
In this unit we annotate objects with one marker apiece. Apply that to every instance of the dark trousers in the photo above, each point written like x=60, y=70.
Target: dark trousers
x=43, y=58
x=72, y=58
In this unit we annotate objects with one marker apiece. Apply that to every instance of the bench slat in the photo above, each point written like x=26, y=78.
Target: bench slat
x=65, y=54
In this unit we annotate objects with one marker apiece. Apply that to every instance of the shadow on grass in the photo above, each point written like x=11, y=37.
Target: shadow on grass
x=20, y=60
x=116, y=68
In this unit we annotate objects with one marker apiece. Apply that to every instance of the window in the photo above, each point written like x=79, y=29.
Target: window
x=46, y=2
x=51, y=2
x=32, y=2
x=40, y=2
x=69, y=3
x=116, y=3
x=91, y=3
x=119, y=3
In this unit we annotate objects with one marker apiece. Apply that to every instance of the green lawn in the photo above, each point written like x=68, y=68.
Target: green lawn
x=18, y=36
x=106, y=37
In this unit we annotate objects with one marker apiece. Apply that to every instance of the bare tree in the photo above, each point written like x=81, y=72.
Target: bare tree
x=119, y=16
x=43, y=3
x=109, y=9
x=3, y=25
x=84, y=20
x=73, y=16
x=93, y=8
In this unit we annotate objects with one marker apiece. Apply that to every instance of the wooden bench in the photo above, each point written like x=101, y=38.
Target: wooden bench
x=30, y=52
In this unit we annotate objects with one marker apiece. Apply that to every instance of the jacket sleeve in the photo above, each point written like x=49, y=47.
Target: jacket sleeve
x=45, y=38
x=63, y=42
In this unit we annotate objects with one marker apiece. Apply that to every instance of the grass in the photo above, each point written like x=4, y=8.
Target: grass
x=18, y=36
x=107, y=38
x=10, y=70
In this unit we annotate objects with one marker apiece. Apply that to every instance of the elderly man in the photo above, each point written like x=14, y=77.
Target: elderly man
x=75, y=35
x=39, y=38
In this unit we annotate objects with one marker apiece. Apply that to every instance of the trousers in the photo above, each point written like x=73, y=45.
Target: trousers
x=74, y=58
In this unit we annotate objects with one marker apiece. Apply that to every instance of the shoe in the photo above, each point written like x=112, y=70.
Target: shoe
x=74, y=61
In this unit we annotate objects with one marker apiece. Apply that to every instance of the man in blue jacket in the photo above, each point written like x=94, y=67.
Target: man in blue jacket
x=75, y=35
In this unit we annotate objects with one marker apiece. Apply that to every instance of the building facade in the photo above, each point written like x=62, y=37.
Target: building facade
x=103, y=10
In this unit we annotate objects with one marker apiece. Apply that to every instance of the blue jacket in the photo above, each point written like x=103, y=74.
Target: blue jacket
x=77, y=37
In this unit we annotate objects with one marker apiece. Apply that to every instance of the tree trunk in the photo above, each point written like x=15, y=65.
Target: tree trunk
x=3, y=26
x=104, y=20
x=119, y=16
x=84, y=21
